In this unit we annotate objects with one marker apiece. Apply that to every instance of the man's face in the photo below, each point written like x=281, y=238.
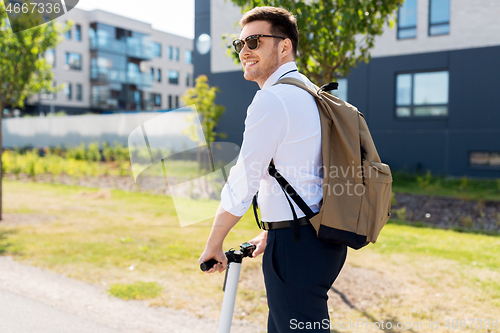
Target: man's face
x=259, y=64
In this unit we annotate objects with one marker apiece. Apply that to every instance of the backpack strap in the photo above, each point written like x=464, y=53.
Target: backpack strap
x=255, y=206
x=287, y=188
x=289, y=191
x=301, y=84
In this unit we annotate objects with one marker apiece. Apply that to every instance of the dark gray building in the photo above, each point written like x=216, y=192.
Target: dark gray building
x=430, y=93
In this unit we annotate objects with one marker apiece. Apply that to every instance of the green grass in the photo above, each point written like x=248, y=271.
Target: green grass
x=467, y=248
x=138, y=290
x=464, y=188
x=97, y=240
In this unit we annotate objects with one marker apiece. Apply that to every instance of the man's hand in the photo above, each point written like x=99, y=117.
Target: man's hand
x=260, y=242
x=218, y=255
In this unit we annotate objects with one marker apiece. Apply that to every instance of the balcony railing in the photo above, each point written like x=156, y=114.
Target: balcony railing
x=103, y=74
x=141, y=48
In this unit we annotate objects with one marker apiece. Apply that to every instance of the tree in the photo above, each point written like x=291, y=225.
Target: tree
x=334, y=35
x=23, y=69
x=203, y=97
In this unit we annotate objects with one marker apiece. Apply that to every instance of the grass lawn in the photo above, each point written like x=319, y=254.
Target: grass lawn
x=131, y=243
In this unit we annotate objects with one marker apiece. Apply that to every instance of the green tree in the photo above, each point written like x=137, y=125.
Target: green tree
x=334, y=35
x=203, y=97
x=23, y=69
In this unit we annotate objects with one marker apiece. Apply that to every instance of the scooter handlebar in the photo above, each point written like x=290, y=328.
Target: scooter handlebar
x=246, y=251
x=205, y=266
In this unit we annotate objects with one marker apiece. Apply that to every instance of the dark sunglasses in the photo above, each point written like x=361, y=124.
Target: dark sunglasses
x=252, y=42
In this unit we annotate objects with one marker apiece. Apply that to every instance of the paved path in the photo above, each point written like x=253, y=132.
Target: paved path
x=33, y=300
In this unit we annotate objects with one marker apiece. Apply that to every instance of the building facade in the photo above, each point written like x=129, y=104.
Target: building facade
x=109, y=63
x=429, y=94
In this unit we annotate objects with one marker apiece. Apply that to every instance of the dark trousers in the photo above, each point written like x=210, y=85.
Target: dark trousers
x=298, y=276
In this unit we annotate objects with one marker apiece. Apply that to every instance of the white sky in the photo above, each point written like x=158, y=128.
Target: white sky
x=173, y=16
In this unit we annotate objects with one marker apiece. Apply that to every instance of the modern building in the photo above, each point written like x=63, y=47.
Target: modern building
x=429, y=94
x=108, y=62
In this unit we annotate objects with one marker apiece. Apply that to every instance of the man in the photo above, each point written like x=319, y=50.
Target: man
x=282, y=125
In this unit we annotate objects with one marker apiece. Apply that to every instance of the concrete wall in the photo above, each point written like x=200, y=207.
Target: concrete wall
x=73, y=130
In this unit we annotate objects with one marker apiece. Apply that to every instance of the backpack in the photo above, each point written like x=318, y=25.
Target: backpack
x=350, y=161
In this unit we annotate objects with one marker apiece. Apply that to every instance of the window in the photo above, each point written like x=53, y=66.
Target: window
x=422, y=94
x=170, y=102
x=173, y=77
x=407, y=20
x=157, y=50
x=341, y=92
x=188, y=56
x=158, y=75
x=176, y=101
x=79, y=92
x=67, y=35
x=152, y=72
x=439, y=17
x=176, y=54
x=54, y=95
x=484, y=159
x=170, y=52
x=78, y=33
x=187, y=79
x=50, y=56
x=73, y=61
x=156, y=99
x=67, y=91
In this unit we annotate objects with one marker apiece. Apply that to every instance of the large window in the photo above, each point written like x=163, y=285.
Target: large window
x=68, y=91
x=173, y=77
x=73, y=61
x=407, y=20
x=176, y=53
x=170, y=52
x=79, y=92
x=157, y=50
x=188, y=56
x=439, y=17
x=488, y=159
x=67, y=35
x=158, y=75
x=50, y=56
x=422, y=94
x=156, y=99
x=78, y=33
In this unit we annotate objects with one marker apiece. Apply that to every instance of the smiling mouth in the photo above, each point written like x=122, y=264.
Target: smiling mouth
x=250, y=63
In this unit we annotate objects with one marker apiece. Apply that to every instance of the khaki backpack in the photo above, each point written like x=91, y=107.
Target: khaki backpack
x=357, y=186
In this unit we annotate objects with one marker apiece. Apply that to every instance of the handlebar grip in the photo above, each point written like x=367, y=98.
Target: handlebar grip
x=205, y=266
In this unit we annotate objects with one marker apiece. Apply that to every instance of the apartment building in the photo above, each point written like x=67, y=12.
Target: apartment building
x=109, y=63
x=429, y=94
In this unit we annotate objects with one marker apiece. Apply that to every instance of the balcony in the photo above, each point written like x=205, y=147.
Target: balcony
x=140, y=48
x=104, y=102
x=106, y=75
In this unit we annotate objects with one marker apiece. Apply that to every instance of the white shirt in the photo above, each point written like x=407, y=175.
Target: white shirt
x=282, y=124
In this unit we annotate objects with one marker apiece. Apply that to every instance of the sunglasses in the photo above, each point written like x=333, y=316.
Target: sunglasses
x=252, y=42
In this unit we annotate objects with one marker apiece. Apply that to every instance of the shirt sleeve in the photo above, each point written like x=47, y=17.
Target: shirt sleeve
x=266, y=128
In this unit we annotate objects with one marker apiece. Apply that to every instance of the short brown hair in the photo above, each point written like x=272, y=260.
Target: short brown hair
x=283, y=23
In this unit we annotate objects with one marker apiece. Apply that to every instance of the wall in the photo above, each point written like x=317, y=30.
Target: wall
x=73, y=130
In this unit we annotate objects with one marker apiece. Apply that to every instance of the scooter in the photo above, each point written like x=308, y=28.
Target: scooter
x=234, y=259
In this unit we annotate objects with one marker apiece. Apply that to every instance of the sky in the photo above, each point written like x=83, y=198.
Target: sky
x=173, y=16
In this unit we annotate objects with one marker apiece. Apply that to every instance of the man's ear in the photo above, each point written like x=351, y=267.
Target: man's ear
x=287, y=47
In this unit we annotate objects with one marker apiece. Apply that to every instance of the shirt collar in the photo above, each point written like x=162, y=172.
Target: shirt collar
x=280, y=71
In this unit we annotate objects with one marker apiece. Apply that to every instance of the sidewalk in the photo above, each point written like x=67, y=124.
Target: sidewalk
x=40, y=301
